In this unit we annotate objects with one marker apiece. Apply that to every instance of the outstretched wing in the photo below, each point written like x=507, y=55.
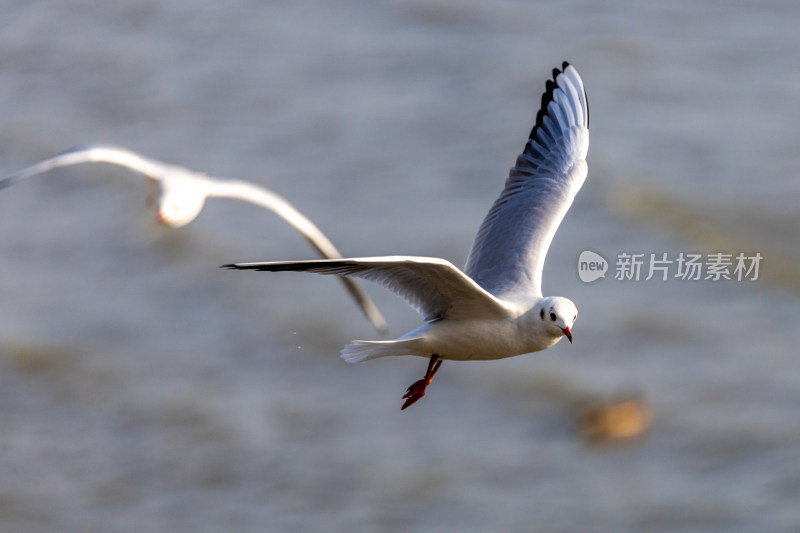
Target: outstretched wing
x=508, y=254
x=435, y=288
x=188, y=190
x=87, y=154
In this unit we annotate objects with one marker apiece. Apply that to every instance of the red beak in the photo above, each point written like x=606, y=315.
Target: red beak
x=567, y=334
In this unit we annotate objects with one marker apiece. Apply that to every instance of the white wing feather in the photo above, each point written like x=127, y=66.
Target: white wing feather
x=508, y=254
x=185, y=184
x=434, y=287
x=87, y=154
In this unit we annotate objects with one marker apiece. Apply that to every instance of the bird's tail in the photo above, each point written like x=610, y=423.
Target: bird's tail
x=365, y=350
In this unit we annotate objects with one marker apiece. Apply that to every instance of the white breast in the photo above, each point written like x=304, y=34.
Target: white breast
x=481, y=340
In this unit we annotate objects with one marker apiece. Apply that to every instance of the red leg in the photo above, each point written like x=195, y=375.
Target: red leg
x=417, y=389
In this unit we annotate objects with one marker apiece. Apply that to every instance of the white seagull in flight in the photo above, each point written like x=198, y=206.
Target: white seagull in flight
x=183, y=192
x=494, y=308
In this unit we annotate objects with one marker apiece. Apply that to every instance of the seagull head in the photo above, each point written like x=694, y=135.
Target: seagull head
x=179, y=203
x=558, y=316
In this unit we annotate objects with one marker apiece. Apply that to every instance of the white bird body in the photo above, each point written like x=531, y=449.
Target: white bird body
x=494, y=308
x=182, y=195
x=466, y=339
x=476, y=338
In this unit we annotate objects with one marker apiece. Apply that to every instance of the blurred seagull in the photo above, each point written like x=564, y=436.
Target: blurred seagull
x=182, y=194
x=494, y=309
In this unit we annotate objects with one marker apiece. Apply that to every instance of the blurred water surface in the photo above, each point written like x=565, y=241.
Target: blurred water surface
x=144, y=389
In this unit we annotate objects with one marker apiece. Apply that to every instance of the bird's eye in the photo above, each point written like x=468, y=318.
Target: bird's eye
x=541, y=314
x=553, y=317
x=574, y=318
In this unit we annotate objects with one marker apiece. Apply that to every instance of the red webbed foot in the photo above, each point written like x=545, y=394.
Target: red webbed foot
x=417, y=389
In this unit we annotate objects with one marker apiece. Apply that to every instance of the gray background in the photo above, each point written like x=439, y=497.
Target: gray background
x=144, y=389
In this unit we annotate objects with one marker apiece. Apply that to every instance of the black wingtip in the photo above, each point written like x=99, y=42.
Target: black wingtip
x=547, y=97
x=230, y=266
